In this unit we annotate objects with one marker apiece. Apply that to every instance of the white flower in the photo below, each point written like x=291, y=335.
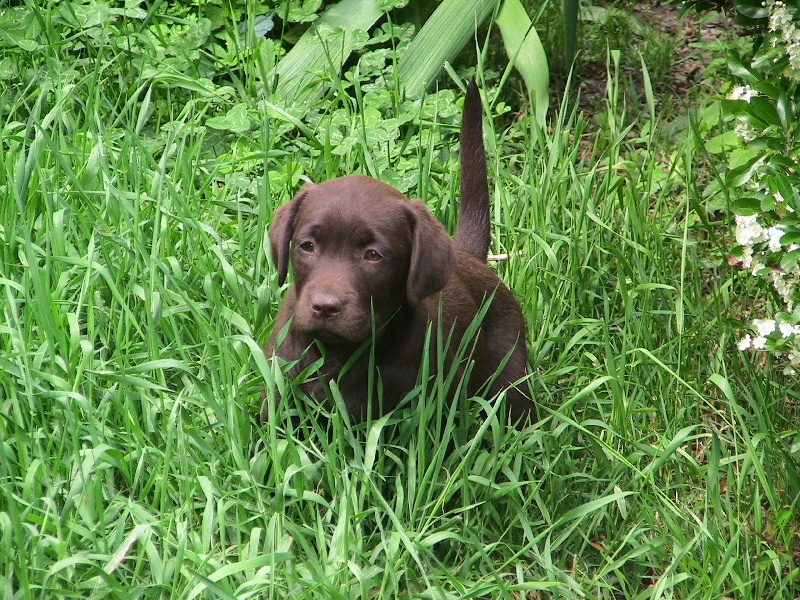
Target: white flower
x=759, y=343
x=747, y=257
x=748, y=231
x=744, y=131
x=786, y=329
x=764, y=326
x=781, y=19
x=743, y=92
x=774, y=235
x=744, y=343
x=782, y=24
x=785, y=288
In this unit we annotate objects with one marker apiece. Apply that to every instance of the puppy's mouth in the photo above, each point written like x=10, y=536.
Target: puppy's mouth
x=343, y=331
x=329, y=337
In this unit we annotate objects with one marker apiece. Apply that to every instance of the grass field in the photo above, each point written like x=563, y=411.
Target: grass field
x=136, y=294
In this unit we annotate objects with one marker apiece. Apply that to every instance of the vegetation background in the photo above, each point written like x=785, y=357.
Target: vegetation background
x=145, y=148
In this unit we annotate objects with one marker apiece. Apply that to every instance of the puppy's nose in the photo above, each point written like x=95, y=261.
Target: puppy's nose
x=326, y=306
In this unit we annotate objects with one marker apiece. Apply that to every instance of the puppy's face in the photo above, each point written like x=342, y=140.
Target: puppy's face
x=351, y=247
x=360, y=252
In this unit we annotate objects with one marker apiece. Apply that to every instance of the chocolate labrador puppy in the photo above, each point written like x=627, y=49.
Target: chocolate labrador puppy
x=374, y=268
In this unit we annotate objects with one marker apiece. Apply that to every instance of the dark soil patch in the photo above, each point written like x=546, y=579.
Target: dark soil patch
x=690, y=39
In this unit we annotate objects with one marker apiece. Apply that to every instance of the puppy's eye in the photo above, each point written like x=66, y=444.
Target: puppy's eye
x=372, y=255
x=307, y=246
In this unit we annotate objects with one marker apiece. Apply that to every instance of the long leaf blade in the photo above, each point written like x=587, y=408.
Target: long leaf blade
x=440, y=39
x=325, y=46
x=524, y=48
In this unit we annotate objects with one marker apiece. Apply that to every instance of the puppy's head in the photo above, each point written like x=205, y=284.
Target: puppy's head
x=360, y=250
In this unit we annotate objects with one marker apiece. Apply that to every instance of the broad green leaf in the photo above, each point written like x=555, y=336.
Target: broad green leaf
x=525, y=50
x=735, y=108
x=172, y=79
x=753, y=11
x=723, y=142
x=784, y=186
x=324, y=48
x=789, y=259
x=739, y=70
x=440, y=39
x=790, y=238
x=746, y=206
x=767, y=88
x=25, y=44
x=743, y=165
x=235, y=120
x=764, y=110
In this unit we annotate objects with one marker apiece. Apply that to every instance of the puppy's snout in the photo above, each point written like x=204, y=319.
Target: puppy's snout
x=327, y=306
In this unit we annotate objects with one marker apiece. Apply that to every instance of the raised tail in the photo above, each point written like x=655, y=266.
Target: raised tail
x=472, y=231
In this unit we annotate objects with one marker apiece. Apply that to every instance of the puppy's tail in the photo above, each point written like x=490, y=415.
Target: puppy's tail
x=472, y=231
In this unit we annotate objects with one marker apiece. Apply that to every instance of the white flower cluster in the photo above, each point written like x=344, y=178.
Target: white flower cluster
x=759, y=237
x=772, y=334
x=746, y=132
x=743, y=92
x=781, y=336
x=749, y=232
x=765, y=327
x=782, y=24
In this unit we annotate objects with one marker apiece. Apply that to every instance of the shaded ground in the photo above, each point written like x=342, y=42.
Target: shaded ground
x=677, y=50
x=695, y=36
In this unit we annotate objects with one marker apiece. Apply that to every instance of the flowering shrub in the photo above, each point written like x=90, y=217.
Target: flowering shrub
x=766, y=172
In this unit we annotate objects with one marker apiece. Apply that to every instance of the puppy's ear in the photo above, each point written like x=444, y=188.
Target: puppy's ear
x=281, y=231
x=432, y=254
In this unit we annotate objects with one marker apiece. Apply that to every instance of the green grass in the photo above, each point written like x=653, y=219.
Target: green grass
x=137, y=294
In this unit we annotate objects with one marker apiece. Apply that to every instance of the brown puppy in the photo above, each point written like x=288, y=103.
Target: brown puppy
x=367, y=261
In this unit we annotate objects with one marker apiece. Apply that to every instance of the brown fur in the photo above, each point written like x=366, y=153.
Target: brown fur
x=366, y=257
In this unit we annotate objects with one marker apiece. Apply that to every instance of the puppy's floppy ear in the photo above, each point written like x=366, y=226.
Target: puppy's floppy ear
x=281, y=231
x=432, y=254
